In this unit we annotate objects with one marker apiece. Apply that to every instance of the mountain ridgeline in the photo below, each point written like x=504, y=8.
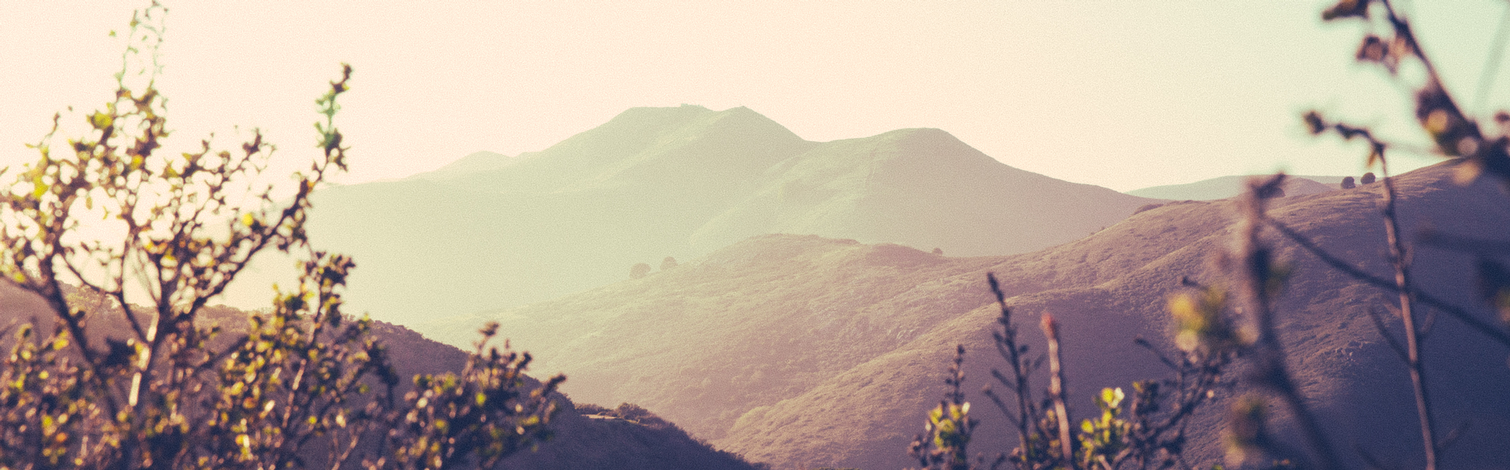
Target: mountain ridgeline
x=493, y=231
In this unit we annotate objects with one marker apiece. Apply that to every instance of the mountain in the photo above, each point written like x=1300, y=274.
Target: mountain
x=492, y=231
x=917, y=187
x=1229, y=186
x=803, y=351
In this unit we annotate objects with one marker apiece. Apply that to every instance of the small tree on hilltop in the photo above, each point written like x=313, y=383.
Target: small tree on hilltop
x=1368, y=178
x=639, y=270
x=668, y=263
x=1347, y=183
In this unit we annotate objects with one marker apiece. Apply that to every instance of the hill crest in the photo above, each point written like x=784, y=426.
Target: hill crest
x=681, y=182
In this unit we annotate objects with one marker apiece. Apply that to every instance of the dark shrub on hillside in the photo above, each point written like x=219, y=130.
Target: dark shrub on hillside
x=1148, y=207
x=591, y=409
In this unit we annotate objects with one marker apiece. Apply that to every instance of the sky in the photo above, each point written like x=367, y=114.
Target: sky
x=1121, y=94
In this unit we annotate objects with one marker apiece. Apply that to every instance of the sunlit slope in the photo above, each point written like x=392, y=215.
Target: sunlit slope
x=746, y=326
x=493, y=231
x=806, y=352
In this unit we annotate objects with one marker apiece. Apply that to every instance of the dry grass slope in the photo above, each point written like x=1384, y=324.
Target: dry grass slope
x=805, y=352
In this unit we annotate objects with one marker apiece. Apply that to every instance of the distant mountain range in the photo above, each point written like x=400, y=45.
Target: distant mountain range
x=1229, y=186
x=491, y=231
x=803, y=351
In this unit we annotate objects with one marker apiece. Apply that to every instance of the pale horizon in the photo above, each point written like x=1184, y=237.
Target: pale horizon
x=1121, y=95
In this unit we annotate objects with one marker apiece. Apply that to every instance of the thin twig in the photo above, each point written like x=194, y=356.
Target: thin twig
x=1399, y=259
x=1255, y=269
x=1057, y=392
x=1006, y=345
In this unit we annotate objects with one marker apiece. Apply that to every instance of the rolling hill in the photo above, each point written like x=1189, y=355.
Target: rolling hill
x=492, y=231
x=804, y=351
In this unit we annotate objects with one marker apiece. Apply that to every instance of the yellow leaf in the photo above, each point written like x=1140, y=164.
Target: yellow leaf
x=101, y=120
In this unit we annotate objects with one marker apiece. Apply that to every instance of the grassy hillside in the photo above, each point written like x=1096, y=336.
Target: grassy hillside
x=805, y=351
x=492, y=231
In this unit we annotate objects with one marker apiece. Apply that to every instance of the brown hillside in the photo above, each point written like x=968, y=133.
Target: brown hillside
x=806, y=352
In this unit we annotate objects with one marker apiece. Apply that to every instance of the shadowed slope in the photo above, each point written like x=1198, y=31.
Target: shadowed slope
x=1341, y=363
x=804, y=352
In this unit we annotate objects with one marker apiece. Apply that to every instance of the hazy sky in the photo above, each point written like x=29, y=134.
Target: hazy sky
x=1123, y=94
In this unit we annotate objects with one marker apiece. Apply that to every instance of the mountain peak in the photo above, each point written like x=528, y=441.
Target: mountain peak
x=664, y=115
x=663, y=118
x=920, y=133
x=688, y=180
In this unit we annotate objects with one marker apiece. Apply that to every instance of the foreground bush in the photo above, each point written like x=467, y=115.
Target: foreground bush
x=304, y=386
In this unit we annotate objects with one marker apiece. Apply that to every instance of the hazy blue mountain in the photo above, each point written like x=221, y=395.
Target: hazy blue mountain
x=491, y=231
